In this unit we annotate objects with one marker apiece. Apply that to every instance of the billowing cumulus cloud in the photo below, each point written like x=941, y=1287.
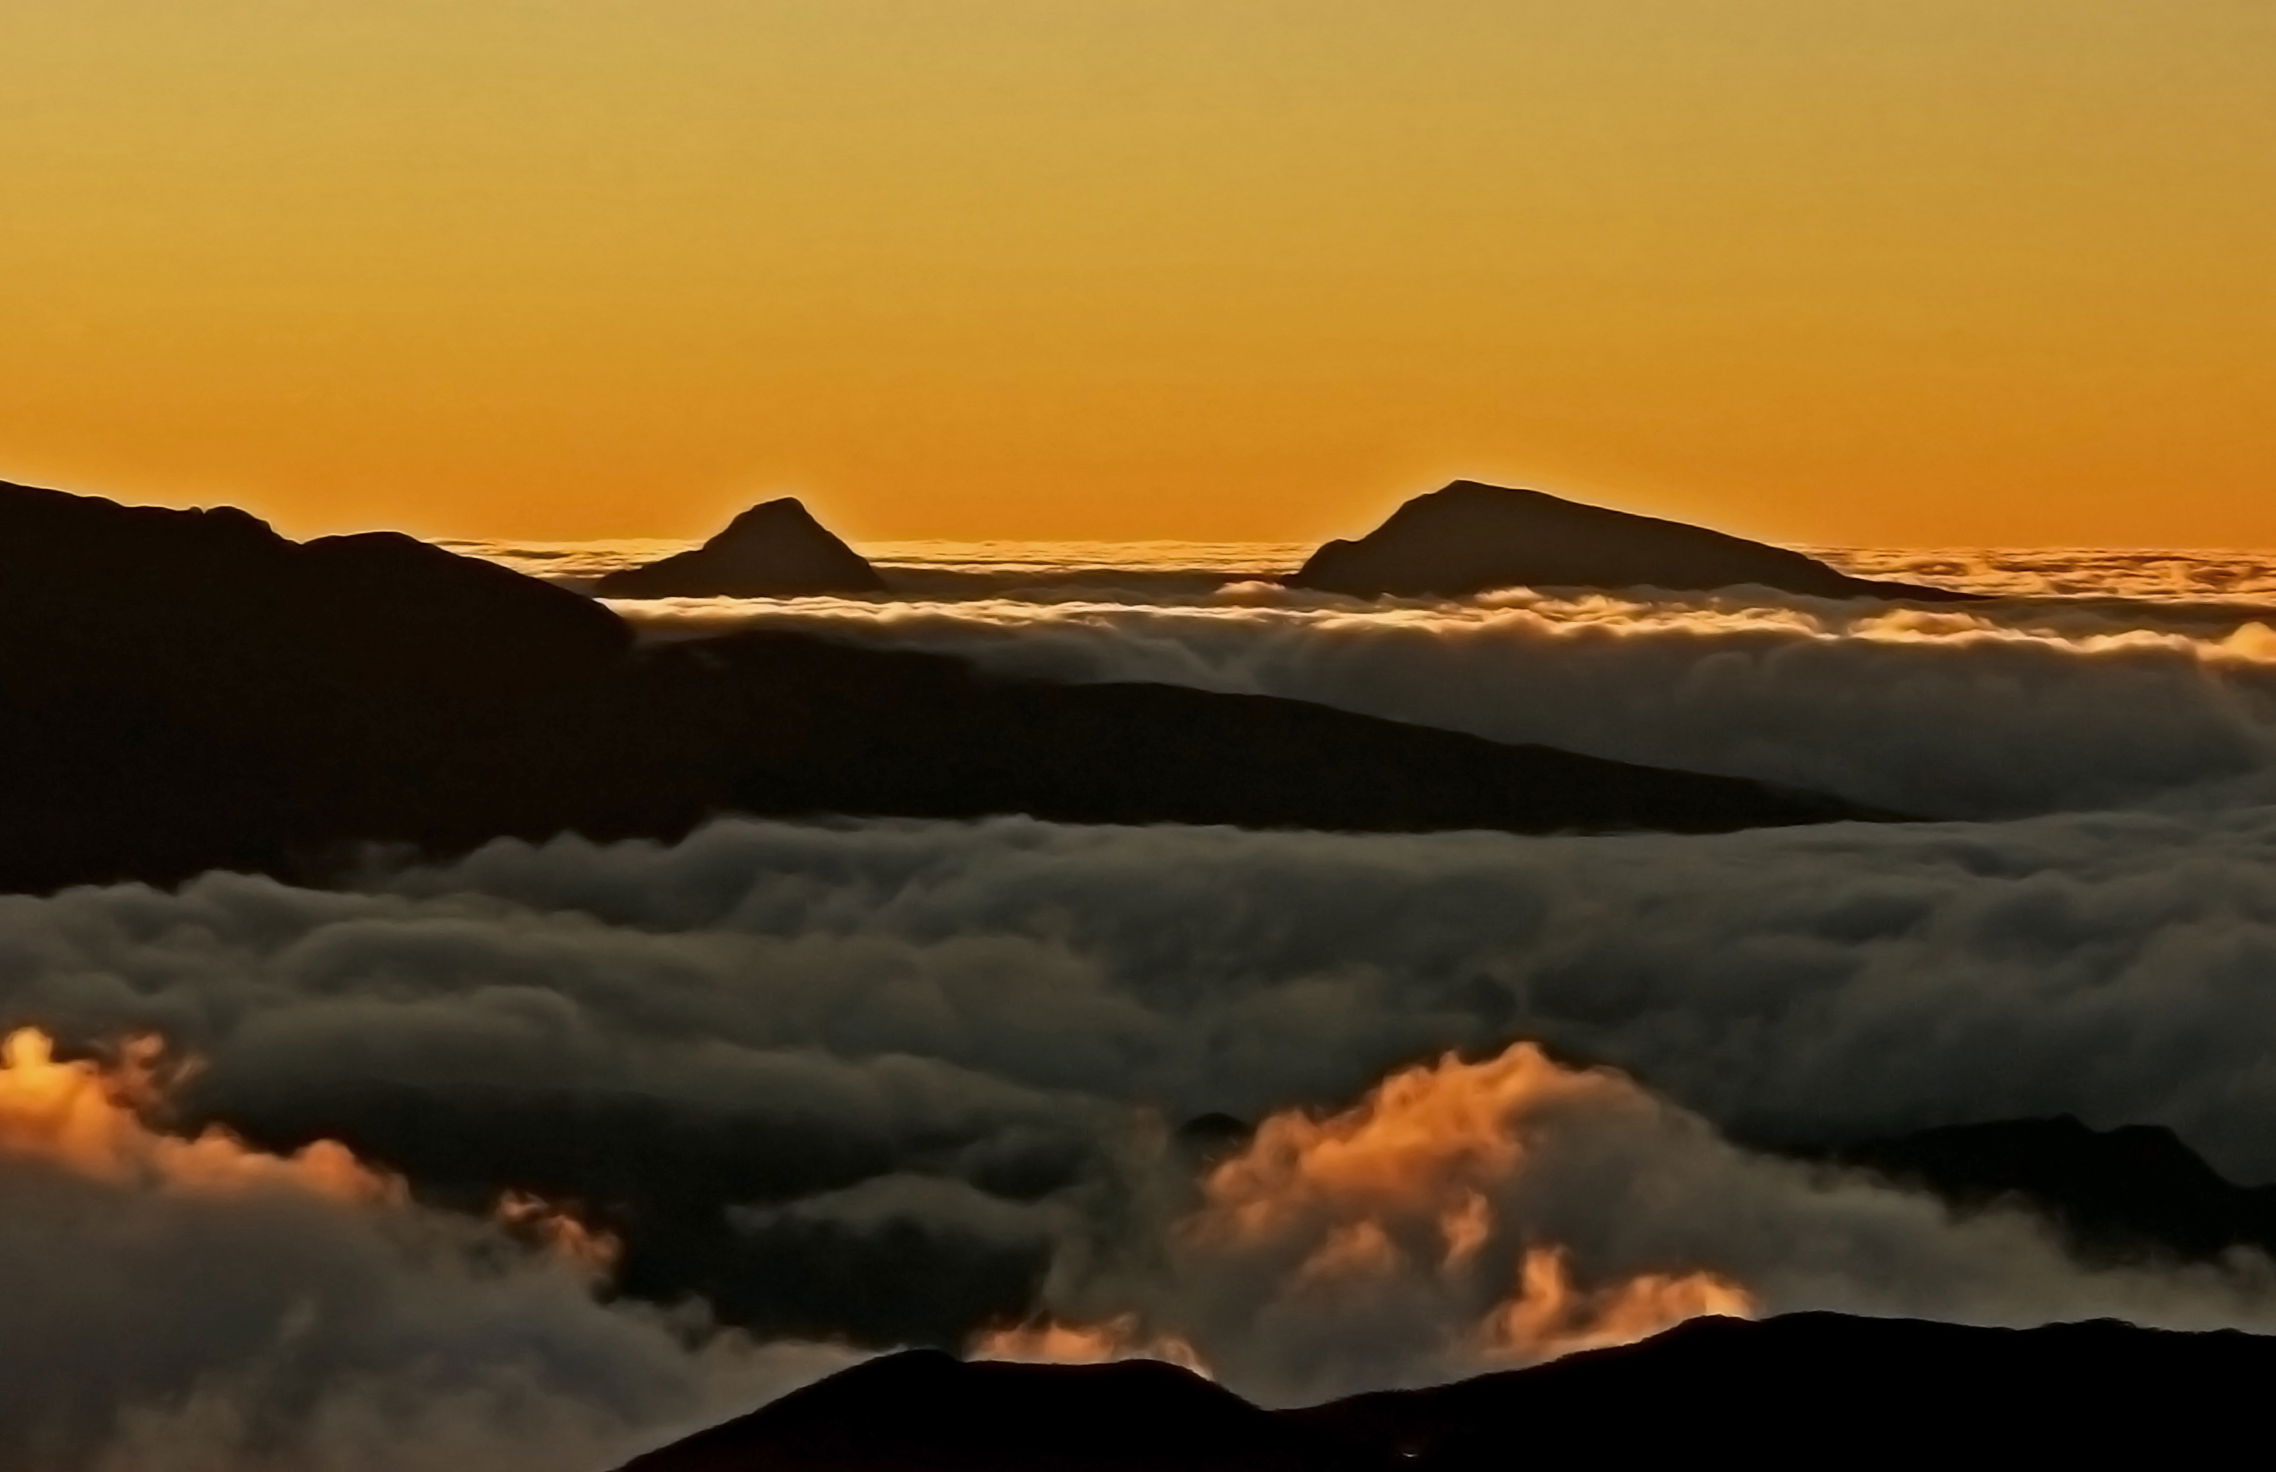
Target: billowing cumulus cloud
x=959, y=991
x=185, y=1303
x=1467, y=1216
x=903, y=1082
x=1806, y=982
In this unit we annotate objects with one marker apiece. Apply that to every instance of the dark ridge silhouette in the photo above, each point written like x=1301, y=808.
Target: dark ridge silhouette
x=925, y=1409
x=90, y=589
x=774, y=550
x=2121, y=1195
x=1804, y=1389
x=1470, y=538
x=186, y=690
x=1813, y=1389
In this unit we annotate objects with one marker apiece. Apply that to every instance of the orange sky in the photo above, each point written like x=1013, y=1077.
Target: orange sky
x=1900, y=271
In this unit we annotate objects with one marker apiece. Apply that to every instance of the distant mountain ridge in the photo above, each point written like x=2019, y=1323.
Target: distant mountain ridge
x=187, y=690
x=2116, y=1195
x=1468, y=537
x=1799, y=1390
x=774, y=550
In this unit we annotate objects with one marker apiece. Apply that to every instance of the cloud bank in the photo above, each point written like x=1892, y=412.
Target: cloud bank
x=903, y=1082
x=1984, y=713
x=539, y=1157
x=940, y=568
x=187, y=1302
x=1465, y=1217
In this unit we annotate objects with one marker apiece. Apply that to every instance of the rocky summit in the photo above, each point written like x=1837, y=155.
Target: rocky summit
x=774, y=550
x=1468, y=537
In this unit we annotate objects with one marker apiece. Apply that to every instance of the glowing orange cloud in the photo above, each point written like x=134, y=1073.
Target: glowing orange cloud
x=1550, y=1316
x=562, y=1234
x=1433, y=1133
x=90, y=1117
x=1050, y=1342
x=1404, y=1183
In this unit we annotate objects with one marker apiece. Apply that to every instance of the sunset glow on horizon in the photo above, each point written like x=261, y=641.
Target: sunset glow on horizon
x=1952, y=272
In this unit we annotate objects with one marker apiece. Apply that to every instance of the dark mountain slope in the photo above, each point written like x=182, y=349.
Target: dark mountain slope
x=1468, y=538
x=90, y=589
x=824, y=727
x=2118, y=1195
x=1802, y=1390
x=187, y=690
x=774, y=550
x=1813, y=1389
x=922, y=1408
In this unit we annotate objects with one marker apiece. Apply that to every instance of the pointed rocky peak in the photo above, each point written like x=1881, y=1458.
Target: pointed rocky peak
x=775, y=549
x=779, y=515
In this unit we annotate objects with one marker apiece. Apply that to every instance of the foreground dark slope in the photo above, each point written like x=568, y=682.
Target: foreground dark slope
x=924, y=1409
x=186, y=690
x=1806, y=1389
x=1467, y=537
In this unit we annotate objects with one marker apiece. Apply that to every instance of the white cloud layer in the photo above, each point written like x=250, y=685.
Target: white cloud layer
x=1988, y=712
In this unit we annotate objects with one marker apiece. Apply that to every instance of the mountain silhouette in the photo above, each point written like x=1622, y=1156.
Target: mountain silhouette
x=1468, y=537
x=187, y=690
x=93, y=588
x=774, y=550
x=926, y=1409
x=1799, y=1390
x=1812, y=1388
x=2118, y=1195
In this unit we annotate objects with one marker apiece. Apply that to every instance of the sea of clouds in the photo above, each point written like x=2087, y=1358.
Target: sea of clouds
x=1932, y=712
x=2088, y=679
x=835, y=1087
x=1024, y=568
x=908, y=1081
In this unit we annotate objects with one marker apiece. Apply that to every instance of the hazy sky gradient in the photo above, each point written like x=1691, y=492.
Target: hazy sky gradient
x=1899, y=271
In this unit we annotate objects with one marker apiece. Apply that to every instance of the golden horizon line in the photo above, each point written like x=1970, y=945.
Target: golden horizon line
x=807, y=496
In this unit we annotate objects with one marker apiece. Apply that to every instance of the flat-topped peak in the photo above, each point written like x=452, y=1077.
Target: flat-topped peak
x=1483, y=496
x=923, y=1408
x=1483, y=488
x=1470, y=537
